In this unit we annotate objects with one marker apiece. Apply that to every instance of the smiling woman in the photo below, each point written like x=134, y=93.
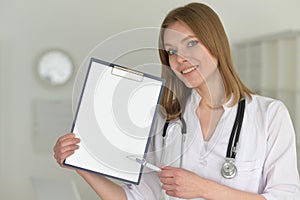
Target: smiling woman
x=231, y=138
x=27, y=27
x=191, y=28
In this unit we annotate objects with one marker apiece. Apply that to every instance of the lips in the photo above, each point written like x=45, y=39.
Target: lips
x=188, y=70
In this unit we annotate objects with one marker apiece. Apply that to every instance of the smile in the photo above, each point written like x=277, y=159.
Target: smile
x=188, y=70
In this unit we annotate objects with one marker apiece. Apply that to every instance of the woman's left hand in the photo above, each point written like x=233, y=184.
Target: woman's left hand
x=178, y=182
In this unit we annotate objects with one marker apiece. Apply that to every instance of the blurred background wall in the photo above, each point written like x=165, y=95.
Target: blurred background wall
x=28, y=28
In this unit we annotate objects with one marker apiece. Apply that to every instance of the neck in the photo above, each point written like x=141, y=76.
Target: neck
x=212, y=92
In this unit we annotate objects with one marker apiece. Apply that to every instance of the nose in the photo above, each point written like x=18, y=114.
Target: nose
x=181, y=58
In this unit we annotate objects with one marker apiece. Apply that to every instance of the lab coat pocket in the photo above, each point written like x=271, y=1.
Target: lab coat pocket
x=247, y=178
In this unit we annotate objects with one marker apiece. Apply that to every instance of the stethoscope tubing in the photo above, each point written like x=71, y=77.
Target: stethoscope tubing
x=183, y=138
x=228, y=169
x=236, y=129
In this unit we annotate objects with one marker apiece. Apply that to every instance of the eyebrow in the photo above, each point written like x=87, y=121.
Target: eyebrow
x=183, y=40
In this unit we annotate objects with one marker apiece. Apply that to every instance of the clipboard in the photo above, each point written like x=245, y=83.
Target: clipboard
x=114, y=120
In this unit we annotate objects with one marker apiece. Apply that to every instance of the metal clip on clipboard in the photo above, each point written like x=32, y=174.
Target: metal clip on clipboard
x=127, y=73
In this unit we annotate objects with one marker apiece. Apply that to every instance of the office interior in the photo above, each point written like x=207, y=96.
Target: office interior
x=265, y=41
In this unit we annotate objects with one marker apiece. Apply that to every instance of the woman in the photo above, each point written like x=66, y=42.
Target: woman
x=203, y=92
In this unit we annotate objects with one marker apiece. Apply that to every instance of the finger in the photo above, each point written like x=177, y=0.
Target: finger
x=68, y=135
x=167, y=181
x=60, y=154
x=65, y=137
x=63, y=157
x=69, y=141
x=169, y=168
x=171, y=193
x=170, y=187
x=62, y=149
x=172, y=172
x=166, y=187
x=65, y=142
x=166, y=172
x=62, y=138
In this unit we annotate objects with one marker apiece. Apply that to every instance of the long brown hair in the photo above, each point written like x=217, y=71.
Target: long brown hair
x=208, y=28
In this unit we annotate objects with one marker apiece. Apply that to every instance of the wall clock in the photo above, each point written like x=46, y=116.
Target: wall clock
x=55, y=67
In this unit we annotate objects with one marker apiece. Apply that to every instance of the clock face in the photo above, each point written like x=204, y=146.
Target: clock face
x=55, y=67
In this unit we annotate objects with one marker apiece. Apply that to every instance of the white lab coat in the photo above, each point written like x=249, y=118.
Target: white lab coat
x=266, y=158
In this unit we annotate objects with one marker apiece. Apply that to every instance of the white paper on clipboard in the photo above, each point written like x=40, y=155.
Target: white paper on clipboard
x=114, y=120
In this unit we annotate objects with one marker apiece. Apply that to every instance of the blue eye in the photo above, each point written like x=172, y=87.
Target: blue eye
x=192, y=43
x=172, y=52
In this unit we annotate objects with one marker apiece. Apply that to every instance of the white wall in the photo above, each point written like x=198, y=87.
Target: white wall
x=29, y=27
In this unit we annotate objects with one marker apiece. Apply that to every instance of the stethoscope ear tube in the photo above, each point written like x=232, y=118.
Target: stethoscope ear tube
x=164, y=135
x=183, y=136
x=236, y=129
x=229, y=170
x=165, y=129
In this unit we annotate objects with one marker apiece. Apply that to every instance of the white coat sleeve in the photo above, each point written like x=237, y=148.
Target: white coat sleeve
x=280, y=171
x=150, y=186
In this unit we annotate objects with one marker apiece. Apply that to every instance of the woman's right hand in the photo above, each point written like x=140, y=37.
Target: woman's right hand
x=105, y=188
x=64, y=147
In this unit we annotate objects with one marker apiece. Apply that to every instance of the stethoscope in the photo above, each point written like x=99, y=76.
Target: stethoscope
x=229, y=169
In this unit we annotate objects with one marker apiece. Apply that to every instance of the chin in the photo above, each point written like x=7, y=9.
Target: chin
x=193, y=84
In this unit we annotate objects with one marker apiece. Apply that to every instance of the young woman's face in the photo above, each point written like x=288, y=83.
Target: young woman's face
x=189, y=59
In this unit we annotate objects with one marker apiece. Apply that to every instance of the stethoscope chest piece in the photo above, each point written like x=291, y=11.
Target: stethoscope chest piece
x=229, y=169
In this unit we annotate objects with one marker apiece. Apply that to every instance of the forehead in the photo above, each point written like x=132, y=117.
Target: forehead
x=176, y=31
